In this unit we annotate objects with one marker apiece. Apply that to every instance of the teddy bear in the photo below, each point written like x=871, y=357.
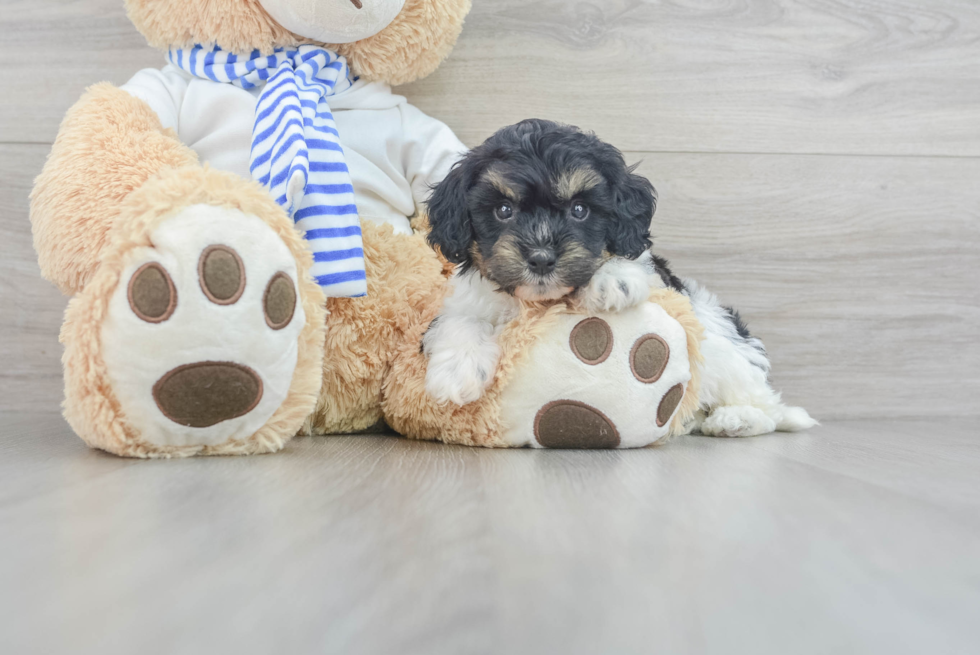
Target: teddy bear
x=243, y=236
x=198, y=321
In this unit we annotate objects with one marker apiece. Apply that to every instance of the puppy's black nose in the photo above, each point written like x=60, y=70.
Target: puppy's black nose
x=541, y=262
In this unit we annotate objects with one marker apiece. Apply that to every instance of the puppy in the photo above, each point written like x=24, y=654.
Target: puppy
x=543, y=211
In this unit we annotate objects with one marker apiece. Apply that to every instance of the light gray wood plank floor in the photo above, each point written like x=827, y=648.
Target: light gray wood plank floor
x=860, y=537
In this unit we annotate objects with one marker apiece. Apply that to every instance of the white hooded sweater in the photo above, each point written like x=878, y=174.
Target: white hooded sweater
x=394, y=151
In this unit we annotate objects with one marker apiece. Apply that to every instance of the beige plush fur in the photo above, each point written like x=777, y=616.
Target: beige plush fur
x=90, y=405
x=410, y=48
x=405, y=279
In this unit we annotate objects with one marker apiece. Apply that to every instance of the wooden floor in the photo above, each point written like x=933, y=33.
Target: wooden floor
x=860, y=537
x=818, y=163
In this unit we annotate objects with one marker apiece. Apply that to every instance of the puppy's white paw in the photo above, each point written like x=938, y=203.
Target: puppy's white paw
x=461, y=375
x=737, y=421
x=693, y=425
x=618, y=284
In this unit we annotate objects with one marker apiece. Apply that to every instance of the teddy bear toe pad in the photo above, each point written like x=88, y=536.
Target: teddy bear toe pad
x=200, y=340
x=609, y=381
x=206, y=393
x=573, y=424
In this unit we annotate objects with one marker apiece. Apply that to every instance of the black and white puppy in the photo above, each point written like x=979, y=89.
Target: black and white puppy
x=541, y=211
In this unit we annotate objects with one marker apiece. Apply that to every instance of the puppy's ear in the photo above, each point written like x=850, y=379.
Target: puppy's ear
x=636, y=201
x=449, y=215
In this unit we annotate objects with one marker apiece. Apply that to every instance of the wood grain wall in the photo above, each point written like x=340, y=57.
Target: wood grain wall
x=818, y=163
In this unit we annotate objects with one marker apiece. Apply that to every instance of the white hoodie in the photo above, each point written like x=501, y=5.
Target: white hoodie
x=394, y=151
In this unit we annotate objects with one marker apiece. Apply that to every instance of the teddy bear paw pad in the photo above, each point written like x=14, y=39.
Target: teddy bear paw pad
x=201, y=336
x=609, y=381
x=572, y=424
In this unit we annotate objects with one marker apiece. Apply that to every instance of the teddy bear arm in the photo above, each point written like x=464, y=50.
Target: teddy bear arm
x=109, y=144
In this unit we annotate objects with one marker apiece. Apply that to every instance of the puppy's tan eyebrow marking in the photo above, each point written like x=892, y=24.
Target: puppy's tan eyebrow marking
x=500, y=184
x=571, y=183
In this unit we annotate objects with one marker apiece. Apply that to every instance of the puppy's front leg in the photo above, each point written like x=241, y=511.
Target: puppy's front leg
x=463, y=355
x=619, y=284
x=461, y=344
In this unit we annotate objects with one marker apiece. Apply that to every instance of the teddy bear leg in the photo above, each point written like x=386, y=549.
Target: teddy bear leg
x=606, y=381
x=613, y=380
x=200, y=332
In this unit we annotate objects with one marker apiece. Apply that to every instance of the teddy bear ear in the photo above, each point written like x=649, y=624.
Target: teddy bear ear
x=412, y=46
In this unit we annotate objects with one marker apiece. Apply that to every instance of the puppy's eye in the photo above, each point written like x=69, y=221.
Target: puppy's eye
x=504, y=211
x=580, y=211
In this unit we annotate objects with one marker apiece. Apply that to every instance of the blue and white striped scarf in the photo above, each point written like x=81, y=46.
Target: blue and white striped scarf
x=296, y=151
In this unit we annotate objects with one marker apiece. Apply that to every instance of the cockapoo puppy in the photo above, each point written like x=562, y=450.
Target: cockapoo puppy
x=541, y=211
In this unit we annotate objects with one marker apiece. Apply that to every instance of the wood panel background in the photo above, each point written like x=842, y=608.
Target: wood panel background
x=818, y=163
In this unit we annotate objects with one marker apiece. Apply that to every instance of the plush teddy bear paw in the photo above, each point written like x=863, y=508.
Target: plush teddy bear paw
x=610, y=381
x=200, y=339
